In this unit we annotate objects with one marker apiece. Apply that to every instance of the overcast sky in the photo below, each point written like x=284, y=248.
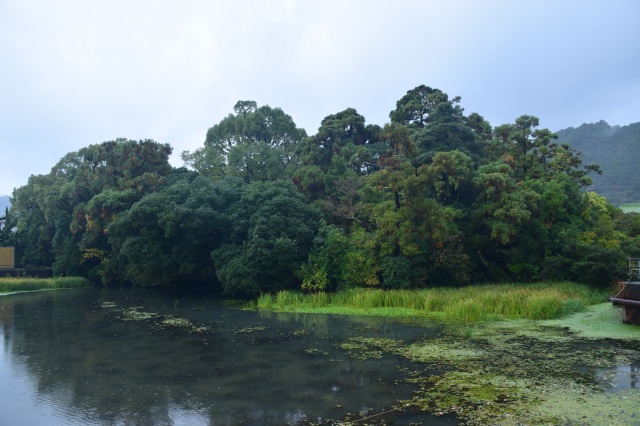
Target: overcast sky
x=75, y=73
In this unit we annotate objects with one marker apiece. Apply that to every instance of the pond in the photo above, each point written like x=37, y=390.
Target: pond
x=106, y=356
x=121, y=357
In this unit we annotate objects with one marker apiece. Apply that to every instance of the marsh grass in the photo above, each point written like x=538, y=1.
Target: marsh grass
x=468, y=304
x=10, y=285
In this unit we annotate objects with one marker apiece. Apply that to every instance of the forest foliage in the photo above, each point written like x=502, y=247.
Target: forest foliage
x=433, y=197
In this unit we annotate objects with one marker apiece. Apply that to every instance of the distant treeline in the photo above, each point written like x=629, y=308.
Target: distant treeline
x=434, y=197
x=616, y=149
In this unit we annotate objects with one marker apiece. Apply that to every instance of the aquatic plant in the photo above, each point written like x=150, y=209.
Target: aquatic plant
x=511, y=373
x=155, y=321
x=369, y=347
x=600, y=321
x=468, y=304
x=516, y=380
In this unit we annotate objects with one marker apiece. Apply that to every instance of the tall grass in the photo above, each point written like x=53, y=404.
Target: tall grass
x=8, y=285
x=473, y=303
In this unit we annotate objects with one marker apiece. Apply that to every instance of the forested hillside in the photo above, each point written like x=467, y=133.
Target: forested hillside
x=616, y=150
x=434, y=197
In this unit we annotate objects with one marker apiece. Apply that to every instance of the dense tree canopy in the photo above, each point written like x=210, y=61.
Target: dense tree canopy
x=434, y=197
x=255, y=143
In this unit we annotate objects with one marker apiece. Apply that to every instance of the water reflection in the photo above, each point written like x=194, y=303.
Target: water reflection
x=619, y=378
x=137, y=357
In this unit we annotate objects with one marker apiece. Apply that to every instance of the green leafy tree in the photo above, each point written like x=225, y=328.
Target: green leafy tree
x=503, y=205
x=409, y=223
x=396, y=272
x=448, y=130
x=415, y=109
x=72, y=206
x=344, y=146
x=533, y=154
x=528, y=201
x=326, y=263
x=255, y=143
x=361, y=263
x=166, y=238
x=5, y=233
x=101, y=181
x=34, y=233
x=450, y=175
x=270, y=237
x=592, y=251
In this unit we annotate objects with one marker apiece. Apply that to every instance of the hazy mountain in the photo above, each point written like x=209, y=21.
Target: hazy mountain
x=4, y=203
x=616, y=149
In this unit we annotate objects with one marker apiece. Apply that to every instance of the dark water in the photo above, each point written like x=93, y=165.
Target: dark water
x=106, y=356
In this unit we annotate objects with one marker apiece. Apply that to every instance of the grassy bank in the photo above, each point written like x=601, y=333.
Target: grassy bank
x=12, y=285
x=474, y=303
x=631, y=208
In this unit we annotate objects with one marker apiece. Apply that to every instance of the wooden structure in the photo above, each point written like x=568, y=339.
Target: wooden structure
x=7, y=257
x=629, y=294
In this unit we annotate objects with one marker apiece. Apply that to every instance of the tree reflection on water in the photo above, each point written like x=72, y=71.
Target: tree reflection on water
x=93, y=360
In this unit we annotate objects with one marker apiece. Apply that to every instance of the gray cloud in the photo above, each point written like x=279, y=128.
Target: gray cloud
x=76, y=73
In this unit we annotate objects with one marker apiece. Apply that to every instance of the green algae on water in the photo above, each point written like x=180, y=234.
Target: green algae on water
x=315, y=351
x=524, y=372
x=442, y=351
x=475, y=397
x=369, y=347
x=514, y=373
x=478, y=398
x=601, y=321
x=250, y=329
x=156, y=321
x=574, y=403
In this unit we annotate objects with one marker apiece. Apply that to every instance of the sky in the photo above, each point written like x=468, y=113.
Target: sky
x=75, y=73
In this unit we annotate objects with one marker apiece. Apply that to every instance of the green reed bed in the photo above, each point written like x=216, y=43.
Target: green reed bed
x=473, y=303
x=12, y=285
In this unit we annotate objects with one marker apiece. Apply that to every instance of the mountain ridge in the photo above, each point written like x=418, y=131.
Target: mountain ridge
x=616, y=150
